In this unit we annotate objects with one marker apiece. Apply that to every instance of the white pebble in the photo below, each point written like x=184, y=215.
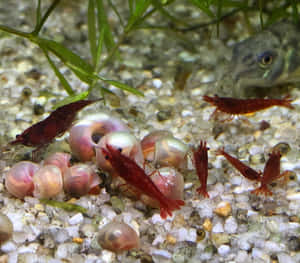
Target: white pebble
x=218, y=228
x=65, y=250
x=284, y=258
x=157, y=83
x=158, y=240
x=223, y=250
x=242, y=256
x=8, y=247
x=31, y=248
x=230, y=225
x=76, y=219
x=160, y=254
x=274, y=247
x=184, y=234
x=259, y=254
x=186, y=113
x=157, y=219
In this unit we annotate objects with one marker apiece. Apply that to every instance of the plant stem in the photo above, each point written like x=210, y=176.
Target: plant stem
x=39, y=25
x=114, y=49
x=14, y=31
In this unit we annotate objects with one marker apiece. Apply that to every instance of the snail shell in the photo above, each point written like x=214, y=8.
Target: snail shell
x=148, y=143
x=118, y=237
x=86, y=133
x=19, y=179
x=59, y=159
x=47, y=181
x=163, y=149
x=169, y=181
x=80, y=179
x=130, y=146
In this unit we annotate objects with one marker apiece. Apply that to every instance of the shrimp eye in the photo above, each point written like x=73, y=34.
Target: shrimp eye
x=120, y=150
x=106, y=157
x=265, y=59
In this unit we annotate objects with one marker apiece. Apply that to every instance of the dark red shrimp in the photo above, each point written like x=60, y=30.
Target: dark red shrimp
x=201, y=164
x=55, y=124
x=271, y=173
x=245, y=106
x=134, y=175
x=245, y=170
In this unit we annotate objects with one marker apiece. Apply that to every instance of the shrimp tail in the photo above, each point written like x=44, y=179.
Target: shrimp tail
x=286, y=102
x=262, y=190
x=202, y=191
x=170, y=205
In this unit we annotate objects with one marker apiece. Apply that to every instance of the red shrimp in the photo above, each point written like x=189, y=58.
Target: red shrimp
x=245, y=170
x=271, y=172
x=134, y=175
x=245, y=106
x=58, y=122
x=201, y=164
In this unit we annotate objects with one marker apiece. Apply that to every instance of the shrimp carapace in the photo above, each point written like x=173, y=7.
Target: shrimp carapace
x=200, y=160
x=245, y=170
x=271, y=172
x=134, y=175
x=234, y=106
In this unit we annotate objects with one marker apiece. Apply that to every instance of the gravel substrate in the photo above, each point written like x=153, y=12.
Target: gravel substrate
x=233, y=225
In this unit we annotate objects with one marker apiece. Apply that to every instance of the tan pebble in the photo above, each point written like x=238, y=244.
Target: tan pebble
x=220, y=238
x=4, y=259
x=179, y=220
x=39, y=207
x=223, y=209
x=77, y=240
x=207, y=225
x=72, y=201
x=294, y=219
x=171, y=239
x=257, y=134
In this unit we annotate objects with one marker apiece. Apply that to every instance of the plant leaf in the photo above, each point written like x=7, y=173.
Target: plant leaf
x=60, y=76
x=204, y=6
x=124, y=87
x=80, y=67
x=140, y=8
x=92, y=30
x=102, y=21
x=70, y=99
x=64, y=205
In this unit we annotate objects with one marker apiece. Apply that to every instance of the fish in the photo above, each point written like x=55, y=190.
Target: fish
x=262, y=62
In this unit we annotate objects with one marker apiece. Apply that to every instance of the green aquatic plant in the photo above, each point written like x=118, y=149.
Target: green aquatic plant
x=64, y=205
x=99, y=35
x=102, y=37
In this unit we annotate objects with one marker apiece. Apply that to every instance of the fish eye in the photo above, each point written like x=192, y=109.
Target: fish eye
x=265, y=59
x=120, y=150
